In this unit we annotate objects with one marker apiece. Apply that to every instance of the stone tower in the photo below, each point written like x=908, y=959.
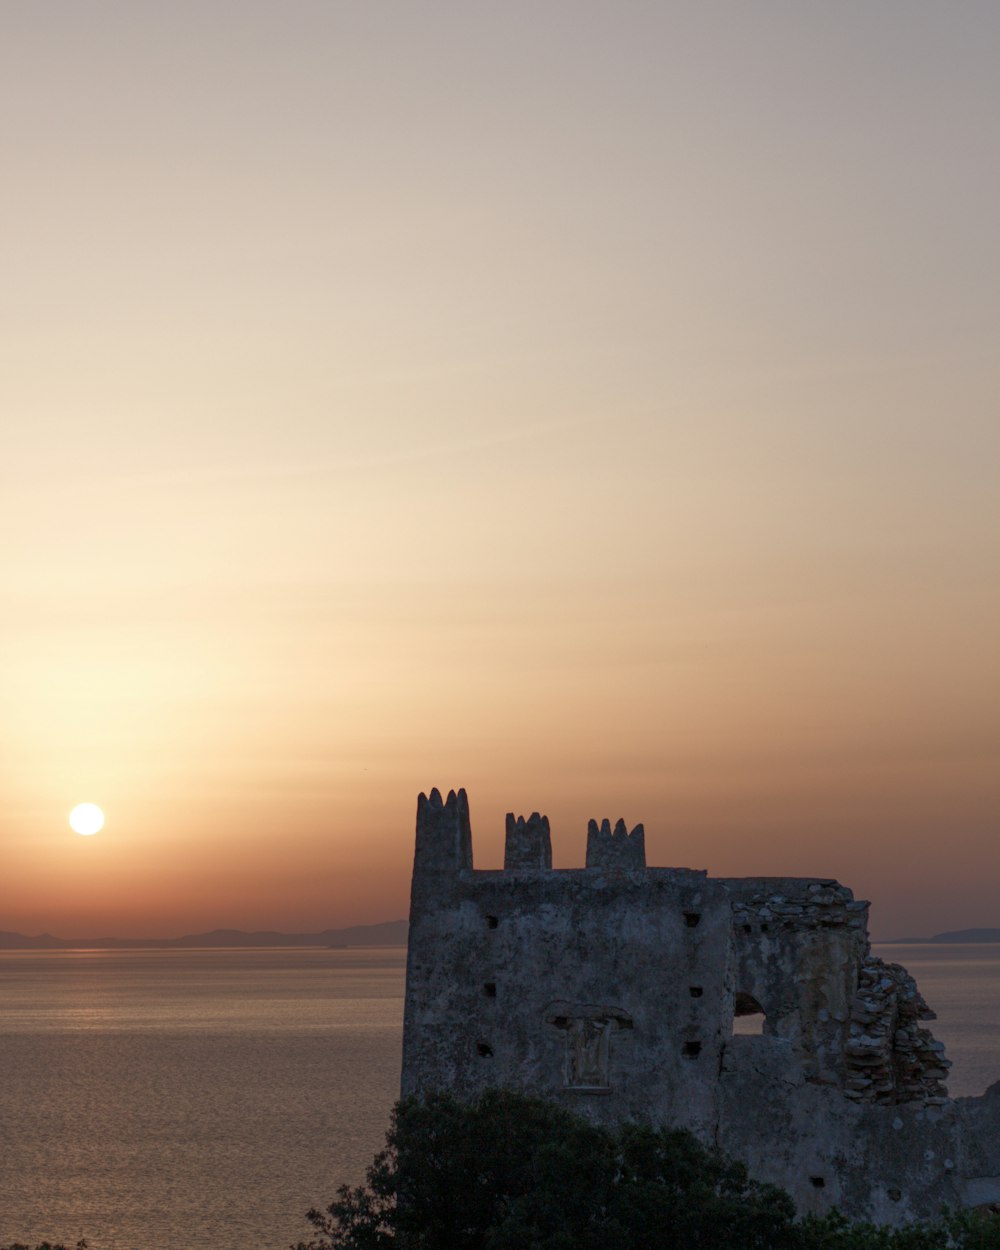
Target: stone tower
x=614, y=989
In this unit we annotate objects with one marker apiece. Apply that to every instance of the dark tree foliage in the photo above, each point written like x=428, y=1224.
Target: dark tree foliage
x=17, y=1245
x=955, y=1230
x=515, y=1173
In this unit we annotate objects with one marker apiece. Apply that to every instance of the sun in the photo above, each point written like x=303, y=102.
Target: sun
x=86, y=818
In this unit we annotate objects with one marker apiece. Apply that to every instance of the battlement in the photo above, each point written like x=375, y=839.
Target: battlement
x=615, y=849
x=444, y=833
x=444, y=839
x=528, y=844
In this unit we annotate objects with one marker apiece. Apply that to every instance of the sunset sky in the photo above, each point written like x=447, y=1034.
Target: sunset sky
x=591, y=405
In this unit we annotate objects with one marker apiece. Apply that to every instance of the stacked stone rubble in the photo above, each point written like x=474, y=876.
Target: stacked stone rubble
x=821, y=905
x=890, y=1058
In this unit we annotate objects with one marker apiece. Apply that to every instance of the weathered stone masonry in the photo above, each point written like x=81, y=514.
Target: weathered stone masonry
x=613, y=988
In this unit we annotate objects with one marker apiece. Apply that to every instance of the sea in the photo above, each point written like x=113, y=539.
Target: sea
x=206, y=1099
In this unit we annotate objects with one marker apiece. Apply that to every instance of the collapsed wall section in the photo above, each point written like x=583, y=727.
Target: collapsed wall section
x=797, y=944
x=889, y=1057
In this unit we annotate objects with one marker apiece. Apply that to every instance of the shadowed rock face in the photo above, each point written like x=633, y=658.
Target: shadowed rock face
x=613, y=989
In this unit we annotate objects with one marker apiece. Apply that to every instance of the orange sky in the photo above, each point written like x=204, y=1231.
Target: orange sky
x=591, y=405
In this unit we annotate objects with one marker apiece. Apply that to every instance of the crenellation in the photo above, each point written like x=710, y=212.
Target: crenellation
x=617, y=848
x=615, y=989
x=444, y=833
x=528, y=844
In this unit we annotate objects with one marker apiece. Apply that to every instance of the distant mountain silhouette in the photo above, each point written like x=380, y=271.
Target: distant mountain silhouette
x=958, y=935
x=388, y=933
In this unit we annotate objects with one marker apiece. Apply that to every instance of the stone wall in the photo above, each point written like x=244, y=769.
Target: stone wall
x=797, y=943
x=889, y=1057
x=613, y=989
x=607, y=987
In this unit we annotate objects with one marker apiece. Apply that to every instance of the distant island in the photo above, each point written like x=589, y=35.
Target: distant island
x=388, y=933
x=958, y=935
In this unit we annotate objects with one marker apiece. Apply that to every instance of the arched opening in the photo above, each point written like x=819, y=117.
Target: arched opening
x=748, y=1016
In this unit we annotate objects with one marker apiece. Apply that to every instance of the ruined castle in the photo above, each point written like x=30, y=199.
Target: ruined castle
x=614, y=989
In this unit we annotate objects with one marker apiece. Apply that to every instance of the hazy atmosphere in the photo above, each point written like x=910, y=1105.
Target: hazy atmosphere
x=591, y=405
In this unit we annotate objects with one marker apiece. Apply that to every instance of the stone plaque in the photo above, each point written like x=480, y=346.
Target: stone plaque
x=588, y=1029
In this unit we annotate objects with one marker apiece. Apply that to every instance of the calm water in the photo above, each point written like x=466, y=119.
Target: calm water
x=173, y=1100
x=180, y=1100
